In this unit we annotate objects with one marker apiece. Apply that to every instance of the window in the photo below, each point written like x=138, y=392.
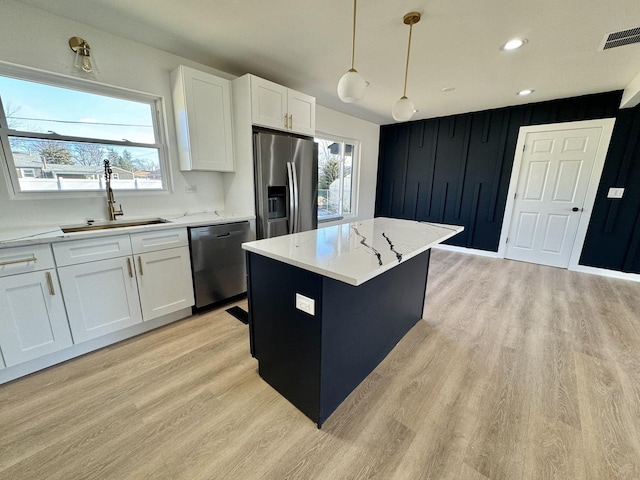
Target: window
x=336, y=171
x=56, y=133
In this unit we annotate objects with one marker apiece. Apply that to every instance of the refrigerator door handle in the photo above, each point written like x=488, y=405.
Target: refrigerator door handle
x=292, y=195
x=296, y=199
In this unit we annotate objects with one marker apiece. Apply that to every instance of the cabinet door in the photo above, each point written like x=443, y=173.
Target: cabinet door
x=268, y=104
x=202, y=107
x=302, y=109
x=101, y=297
x=33, y=321
x=164, y=281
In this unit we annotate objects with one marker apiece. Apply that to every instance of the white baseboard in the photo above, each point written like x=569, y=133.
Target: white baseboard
x=634, y=277
x=20, y=370
x=470, y=251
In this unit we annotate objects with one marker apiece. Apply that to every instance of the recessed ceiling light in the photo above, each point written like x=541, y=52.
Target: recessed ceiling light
x=524, y=93
x=514, y=44
x=447, y=89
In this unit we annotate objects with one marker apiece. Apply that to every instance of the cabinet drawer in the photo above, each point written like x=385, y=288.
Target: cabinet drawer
x=91, y=249
x=33, y=258
x=159, y=240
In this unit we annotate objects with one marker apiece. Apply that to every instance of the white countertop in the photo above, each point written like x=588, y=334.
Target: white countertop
x=29, y=235
x=355, y=252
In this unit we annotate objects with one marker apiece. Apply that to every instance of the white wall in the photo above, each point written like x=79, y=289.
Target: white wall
x=336, y=123
x=34, y=38
x=37, y=39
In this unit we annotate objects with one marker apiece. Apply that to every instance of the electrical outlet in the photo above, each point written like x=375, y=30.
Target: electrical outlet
x=615, y=193
x=306, y=304
x=191, y=189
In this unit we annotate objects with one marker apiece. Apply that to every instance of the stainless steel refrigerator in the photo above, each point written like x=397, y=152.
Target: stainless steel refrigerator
x=286, y=172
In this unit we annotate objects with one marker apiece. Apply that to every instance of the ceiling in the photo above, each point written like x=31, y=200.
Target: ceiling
x=306, y=45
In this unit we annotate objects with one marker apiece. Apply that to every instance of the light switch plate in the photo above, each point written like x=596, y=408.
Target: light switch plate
x=615, y=193
x=306, y=304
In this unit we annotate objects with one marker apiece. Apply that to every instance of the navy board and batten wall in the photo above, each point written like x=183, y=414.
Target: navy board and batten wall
x=457, y=169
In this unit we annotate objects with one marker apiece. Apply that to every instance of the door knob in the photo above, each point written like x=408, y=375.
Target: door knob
x=575, y=209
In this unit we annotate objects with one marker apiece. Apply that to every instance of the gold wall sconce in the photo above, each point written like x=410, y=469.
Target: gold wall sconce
x=83, y=59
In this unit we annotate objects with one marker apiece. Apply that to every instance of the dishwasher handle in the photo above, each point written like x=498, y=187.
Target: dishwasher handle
x=213, y=232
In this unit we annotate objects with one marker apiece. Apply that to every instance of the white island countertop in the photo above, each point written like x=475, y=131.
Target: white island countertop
x=355, y=252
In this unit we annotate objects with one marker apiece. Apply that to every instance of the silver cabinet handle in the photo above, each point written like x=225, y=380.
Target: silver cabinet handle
x=286, y=121
x=140, y=264
x=129, y=267
x=290, y=121
x=21, y=260
x=50, y=283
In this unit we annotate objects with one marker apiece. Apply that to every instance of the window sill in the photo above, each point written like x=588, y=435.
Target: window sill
x=330, y=219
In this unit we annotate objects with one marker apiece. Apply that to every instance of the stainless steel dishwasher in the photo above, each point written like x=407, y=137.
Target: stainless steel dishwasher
x=217, y=261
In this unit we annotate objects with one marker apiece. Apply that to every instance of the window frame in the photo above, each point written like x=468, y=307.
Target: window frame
x=32, y=172
x=355, y=174
x=8, y=169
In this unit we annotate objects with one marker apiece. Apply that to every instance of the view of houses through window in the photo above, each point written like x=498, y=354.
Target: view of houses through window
x=335, y=177
x=56, y=138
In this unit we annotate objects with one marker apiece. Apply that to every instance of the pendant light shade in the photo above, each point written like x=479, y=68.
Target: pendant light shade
x=404, y=108
x=352, y=86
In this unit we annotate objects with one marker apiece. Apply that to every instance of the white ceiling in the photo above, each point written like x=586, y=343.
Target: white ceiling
x=306, y=45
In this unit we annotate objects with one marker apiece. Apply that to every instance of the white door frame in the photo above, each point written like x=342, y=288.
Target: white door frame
x=607, y=130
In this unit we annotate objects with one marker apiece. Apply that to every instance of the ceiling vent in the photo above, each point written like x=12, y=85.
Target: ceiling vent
x=623, y=37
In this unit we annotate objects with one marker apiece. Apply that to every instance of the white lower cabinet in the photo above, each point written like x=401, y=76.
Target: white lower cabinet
x=101, y=297
x=148, y=281
x=163, y=270
x=33, y=321
x=164, y=281
x=100, y=286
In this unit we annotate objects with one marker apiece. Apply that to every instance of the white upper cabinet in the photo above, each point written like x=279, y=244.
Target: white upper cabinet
x=268, y=104
x=202, y=110
x=281, y=108
x=302, y=112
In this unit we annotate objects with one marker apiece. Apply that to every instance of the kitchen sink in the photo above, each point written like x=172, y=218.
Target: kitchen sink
x=90, y=226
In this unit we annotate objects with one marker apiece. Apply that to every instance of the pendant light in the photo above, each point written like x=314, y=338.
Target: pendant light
x=352, y=86
x=404, y=108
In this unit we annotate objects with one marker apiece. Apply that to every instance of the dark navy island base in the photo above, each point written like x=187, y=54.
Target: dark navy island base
x=317, y=361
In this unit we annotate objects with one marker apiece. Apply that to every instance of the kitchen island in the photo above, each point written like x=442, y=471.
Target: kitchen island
x=326, y=306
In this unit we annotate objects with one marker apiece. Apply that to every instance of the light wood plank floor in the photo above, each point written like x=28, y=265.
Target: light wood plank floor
x=517, y=371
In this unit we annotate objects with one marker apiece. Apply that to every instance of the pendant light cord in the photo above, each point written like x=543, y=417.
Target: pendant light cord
x=353, y=39
x=406, y=70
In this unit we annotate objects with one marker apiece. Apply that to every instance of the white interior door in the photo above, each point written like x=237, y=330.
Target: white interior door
x=552, y=185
